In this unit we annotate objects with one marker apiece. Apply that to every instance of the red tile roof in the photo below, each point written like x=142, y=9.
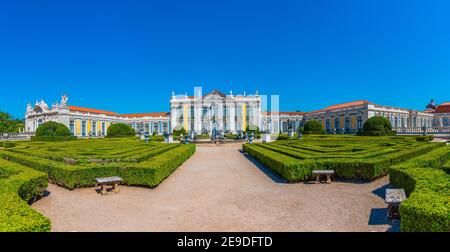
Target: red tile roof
x=287, y=113
x=443, y=108
x=104, y=112
x=154, y=114
x=343, y=105
x=93, y=111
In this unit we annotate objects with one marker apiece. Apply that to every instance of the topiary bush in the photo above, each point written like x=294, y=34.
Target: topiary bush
x=178, y=131
x=377, y=126
x=253, y=129
x=52, y=129
x=425, y=138
x=313, y=127
x=120, y=130
x=7, y=144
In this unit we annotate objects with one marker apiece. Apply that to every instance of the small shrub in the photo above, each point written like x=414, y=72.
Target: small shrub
x=178, y=132
x=52, y=129
x=313, y=127
x=377, y=126
x=120, y=130
x=8, y=144
x=425, y=138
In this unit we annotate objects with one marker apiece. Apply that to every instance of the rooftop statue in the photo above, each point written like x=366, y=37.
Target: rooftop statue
x=64, y=100
x=431, y=105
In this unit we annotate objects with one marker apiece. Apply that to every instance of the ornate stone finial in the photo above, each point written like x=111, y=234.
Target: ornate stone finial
x=185, y=94
x=173, y=93
x=231, y=92
x=29, y=108
x=244, y=93
x=256, y=93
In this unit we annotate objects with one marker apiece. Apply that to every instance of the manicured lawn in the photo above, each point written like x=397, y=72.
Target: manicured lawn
x=352, y=157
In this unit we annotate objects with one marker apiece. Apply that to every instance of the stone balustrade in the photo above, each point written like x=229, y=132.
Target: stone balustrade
x=419, y=130
x=15, y=136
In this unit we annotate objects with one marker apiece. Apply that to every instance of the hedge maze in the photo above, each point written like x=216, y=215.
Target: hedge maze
x=351, y=157
x=421, y=168
x=26, y=169
x=19, y=185
x=426, y=181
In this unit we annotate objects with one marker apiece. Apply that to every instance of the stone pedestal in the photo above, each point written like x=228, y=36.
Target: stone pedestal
x=266, y=138
x=291, y=133
x=169, y=138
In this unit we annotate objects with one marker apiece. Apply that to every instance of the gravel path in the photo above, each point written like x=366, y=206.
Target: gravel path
x=221, y=189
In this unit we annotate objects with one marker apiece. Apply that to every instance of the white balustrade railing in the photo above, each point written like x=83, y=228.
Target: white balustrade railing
x=15, y=136
x=419, y=130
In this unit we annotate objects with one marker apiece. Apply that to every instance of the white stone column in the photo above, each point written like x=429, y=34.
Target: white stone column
x=173, y=117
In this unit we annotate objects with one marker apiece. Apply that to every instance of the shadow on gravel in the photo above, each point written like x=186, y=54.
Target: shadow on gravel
x=381, y=191
x=271, y=174
x=378, y=216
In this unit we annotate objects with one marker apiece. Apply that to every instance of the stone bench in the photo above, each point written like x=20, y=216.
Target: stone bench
x=394, y=197
x=114, y=181
x=318, y=173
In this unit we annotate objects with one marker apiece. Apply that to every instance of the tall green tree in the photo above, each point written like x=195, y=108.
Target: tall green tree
x=8, y=124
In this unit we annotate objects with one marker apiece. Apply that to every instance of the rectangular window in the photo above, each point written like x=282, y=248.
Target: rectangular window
x=72, y=127
x=83, y=128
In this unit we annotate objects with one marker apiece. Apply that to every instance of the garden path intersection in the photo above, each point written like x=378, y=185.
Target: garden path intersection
x=221, y=189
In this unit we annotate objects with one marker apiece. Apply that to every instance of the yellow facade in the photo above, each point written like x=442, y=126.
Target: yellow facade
x=89, y=127
x=99, y=127
x=77, y=127
x=323, y=124
x=353, y=122
x=341, y=122
x=185, y=116
x=107, y=124
x=244, y=117
x=332, y=123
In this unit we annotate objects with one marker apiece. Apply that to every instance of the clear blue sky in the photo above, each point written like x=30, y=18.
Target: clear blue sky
x=128, y=56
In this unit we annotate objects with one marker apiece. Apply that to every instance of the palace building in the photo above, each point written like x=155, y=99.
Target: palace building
x=228, y=113
x=87, y=122
x=349, y=117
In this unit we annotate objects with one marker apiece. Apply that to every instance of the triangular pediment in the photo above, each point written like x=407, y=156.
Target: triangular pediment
x=215, y=93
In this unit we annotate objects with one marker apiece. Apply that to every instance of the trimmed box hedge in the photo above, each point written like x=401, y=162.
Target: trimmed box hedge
x=72, y=166
x=350, y=157
x=427, y=208
x=19, y=185
x=53, y=138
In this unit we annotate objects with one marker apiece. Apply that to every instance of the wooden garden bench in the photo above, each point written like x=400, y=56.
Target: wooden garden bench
x=318, y=173
x=114, y=181
x=394, y=197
